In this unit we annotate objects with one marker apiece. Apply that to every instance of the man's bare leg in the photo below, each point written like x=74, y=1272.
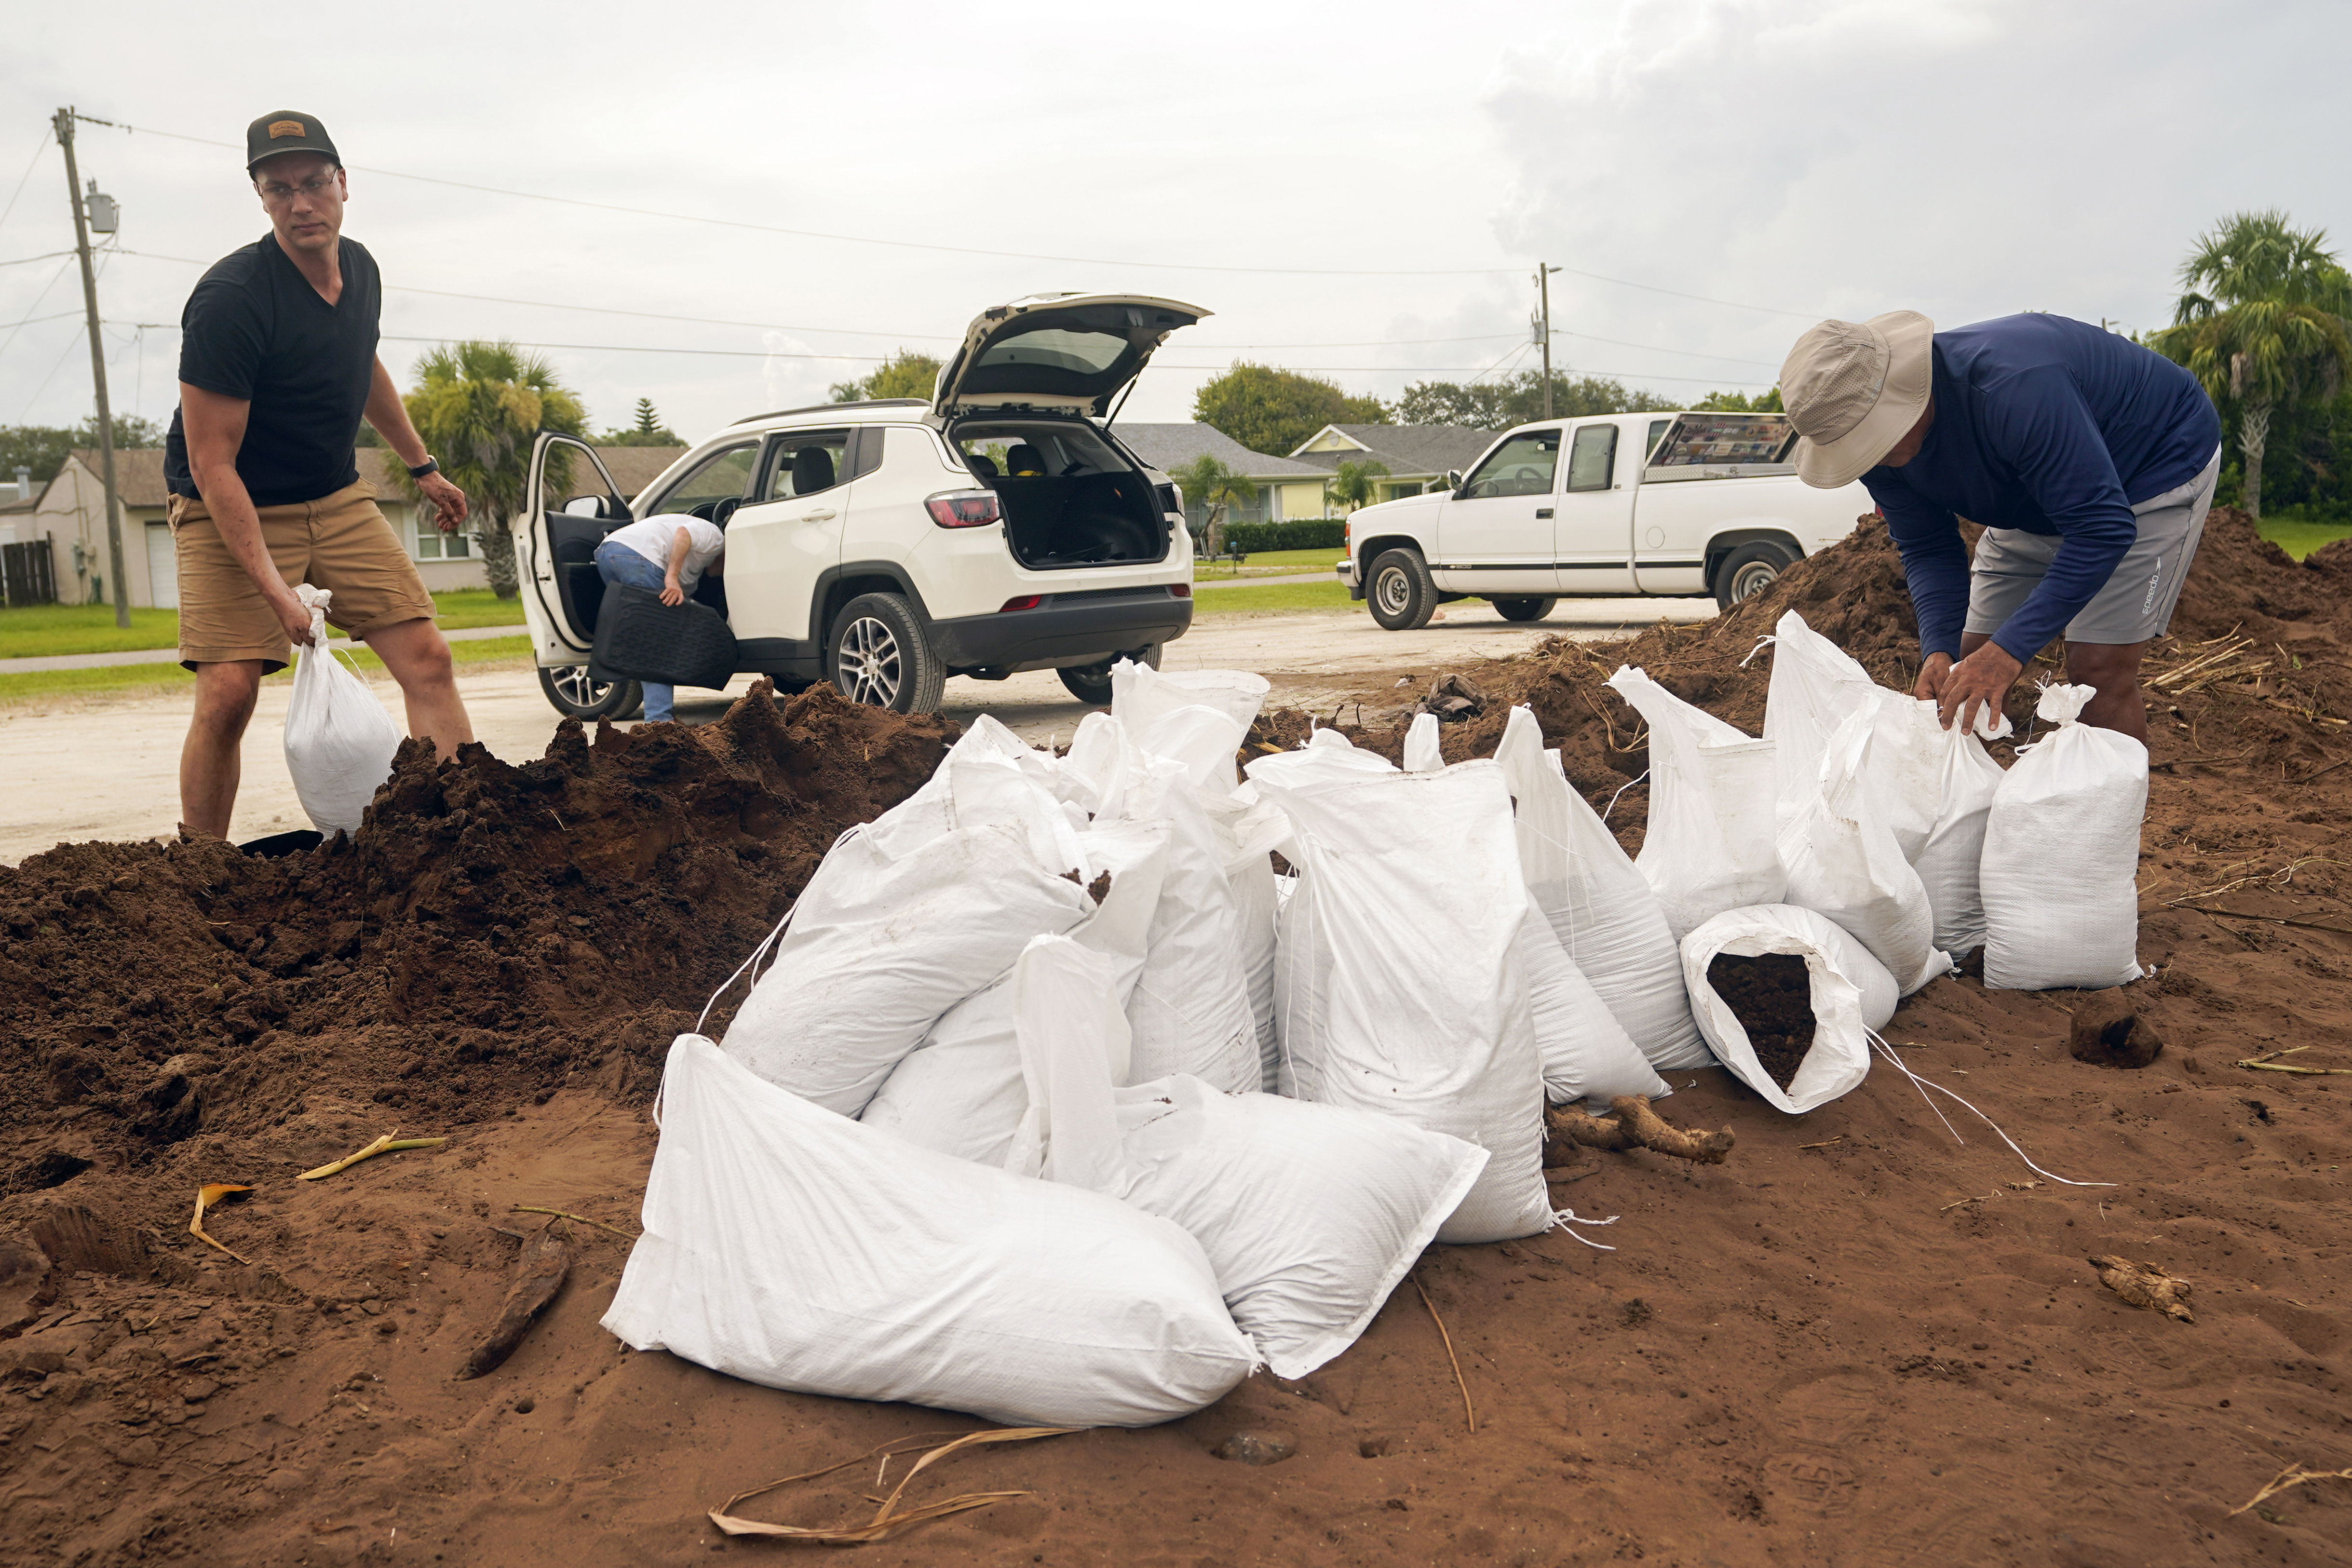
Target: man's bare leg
x=210, y=760
x=418, y=656
x=2113, y=669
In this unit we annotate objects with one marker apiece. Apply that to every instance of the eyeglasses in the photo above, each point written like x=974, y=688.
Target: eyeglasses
x=277, y=191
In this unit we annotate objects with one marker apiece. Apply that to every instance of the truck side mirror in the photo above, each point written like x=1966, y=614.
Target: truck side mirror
x=1454, y=482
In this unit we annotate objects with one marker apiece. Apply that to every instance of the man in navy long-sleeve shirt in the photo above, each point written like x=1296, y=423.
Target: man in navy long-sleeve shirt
x=2089, y=460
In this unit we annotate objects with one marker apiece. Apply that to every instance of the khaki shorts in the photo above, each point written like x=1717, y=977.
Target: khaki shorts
x=341, y=542
x=2136, y=604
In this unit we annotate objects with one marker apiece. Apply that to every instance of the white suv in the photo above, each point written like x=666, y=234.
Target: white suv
x=885, y=546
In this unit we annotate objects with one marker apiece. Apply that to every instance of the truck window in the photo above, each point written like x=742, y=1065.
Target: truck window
x=1658, y=428
x=1592, y=458
x=1522, y=466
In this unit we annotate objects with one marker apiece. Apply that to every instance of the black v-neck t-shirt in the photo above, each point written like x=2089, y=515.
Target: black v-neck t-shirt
x=256, y=330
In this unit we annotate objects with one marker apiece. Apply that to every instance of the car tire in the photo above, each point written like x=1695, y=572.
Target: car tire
x=1523, y=609
x=575, y=694
x=1400, y=591
x=877, y=655
x=1090, y=683
x=1749, y=570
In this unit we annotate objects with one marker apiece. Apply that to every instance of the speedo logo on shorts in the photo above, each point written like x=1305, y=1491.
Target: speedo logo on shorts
x=2154, y=578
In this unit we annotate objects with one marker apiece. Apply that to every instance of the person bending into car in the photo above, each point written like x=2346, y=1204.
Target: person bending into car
x=2089, y=459
x=669, y=554
x=278, y=367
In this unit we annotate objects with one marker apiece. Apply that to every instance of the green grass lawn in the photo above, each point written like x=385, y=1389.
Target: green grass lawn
x=1273, y=598
x=44, y=630
x=1269, y=563
x=2300, y=539
x=138, y=680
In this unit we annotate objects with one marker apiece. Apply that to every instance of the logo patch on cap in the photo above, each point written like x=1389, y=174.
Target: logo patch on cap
x=285, y=128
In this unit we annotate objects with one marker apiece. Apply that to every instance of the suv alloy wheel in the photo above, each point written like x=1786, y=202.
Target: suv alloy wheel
x=579, y=695
x=877, y=655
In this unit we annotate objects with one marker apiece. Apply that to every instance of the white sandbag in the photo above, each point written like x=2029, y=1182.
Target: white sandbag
x=1398, y=980
x=1851, y=992
x=1249, y=828
x=1967, y=779
x=2061, y=850
x=1843, y=861
x=1140, y=695
x=1815, y=685
x=1423, y=753
x=961, y=1090
x=1710, y=842
x=794, y=1248
x=1600, y=906
x=338, y=739
x=1586, y=1053
x=880, y=947
x=1309, y=1214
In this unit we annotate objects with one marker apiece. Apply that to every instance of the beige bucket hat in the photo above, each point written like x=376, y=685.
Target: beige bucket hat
x=1852, y=389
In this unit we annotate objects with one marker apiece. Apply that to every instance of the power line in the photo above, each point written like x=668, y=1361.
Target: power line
x=33, y=164
x=974, y=250
x=45, y=256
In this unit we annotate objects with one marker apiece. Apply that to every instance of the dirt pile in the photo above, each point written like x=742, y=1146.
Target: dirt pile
x=490, y=934
x=1771, y=995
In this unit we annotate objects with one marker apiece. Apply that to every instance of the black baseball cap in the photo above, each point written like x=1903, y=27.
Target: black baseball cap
x=287, y=131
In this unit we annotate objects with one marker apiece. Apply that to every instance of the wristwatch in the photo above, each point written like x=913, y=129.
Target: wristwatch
x=431, y=465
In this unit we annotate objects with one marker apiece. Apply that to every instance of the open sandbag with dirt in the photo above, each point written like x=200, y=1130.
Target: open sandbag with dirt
x=1788, y=1000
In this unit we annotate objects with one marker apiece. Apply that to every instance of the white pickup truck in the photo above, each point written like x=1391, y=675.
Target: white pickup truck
x=1624, y=504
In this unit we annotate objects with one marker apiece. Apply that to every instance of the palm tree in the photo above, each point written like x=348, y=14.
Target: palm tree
x=1218, y=486
x=2261, y=324
x=1351, y=485
x=479, y=406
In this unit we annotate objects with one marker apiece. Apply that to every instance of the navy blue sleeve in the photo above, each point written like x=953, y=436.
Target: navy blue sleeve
x=2039, y=425
x=1933, y=563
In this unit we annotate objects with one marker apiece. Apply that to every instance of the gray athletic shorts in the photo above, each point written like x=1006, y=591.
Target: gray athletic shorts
x=2136, y=604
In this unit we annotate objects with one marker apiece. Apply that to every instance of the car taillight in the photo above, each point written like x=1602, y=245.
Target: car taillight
x=963, y=509
x=1181, y=590
x=1025, y=601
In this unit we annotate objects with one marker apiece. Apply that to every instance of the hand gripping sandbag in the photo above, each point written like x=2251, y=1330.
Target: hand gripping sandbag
x=1844, y=862
x=881, y=946
x=961, y=1091
x=338, y=739
x=1948, y=863
x=1851, y=992
x=1399, y=983
x=1600, y=906
x=1308, y=1214
x=2060, y=848
x=794, y=1248
x=1710, y=842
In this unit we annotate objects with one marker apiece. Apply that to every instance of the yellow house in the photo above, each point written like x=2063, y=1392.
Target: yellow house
x=1417, y=456
x=70, y=513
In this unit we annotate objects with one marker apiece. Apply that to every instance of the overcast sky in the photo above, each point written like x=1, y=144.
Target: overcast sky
x=1361, y=189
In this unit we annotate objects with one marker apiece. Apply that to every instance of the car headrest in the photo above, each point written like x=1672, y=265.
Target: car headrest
x=981, y=464
x=1023, y=461
x=812, y=470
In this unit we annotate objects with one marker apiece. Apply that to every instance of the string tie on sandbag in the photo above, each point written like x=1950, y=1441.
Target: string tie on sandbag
x=1761, y=643
x=1629, y=783
x=1924, y=1085
x=1567, y=1218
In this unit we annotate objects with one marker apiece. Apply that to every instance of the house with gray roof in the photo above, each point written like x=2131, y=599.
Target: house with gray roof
x=1286, y=488
x=1417, y=456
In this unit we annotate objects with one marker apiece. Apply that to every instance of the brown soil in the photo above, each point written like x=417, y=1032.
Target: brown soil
x=1771, y=995
x=1855, y=1341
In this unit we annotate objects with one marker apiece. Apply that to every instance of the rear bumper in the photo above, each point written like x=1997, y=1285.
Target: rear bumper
x=1065, y=629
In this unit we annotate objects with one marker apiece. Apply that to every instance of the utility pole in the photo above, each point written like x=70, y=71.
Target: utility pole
x=1543, y=330
x=65, y=129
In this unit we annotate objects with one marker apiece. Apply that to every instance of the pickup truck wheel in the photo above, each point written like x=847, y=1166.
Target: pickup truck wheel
x=575, y=694
x=1749, y=570
x=1401, y=593
x=1523, y=609
x=1090, y=683
x=877, y=655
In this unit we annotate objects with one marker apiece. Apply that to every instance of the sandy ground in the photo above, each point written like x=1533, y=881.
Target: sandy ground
x=109, y=768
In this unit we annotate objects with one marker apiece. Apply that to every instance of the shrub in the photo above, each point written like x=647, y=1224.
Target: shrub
x=1305, y=533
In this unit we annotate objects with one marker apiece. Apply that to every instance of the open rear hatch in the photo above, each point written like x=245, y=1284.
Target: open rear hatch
x=1062, y=352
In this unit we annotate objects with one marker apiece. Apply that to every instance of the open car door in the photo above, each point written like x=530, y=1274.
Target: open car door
x=1062, y=352
x=555, y=552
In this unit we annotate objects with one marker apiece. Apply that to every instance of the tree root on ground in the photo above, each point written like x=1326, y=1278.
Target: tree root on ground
x=1631, y=1124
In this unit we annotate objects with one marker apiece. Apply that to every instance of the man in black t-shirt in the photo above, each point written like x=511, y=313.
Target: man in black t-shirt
x=278, y=367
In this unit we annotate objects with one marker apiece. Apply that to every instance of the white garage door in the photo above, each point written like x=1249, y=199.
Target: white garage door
x=163, y=567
